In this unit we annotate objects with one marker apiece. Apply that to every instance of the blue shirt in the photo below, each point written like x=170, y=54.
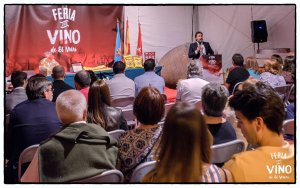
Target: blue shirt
x=253, y=73
x=149, y=79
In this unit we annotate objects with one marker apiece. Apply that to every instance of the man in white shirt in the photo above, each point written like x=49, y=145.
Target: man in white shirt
x=190, y=89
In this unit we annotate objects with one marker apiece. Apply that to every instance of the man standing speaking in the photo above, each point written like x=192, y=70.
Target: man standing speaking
x=199, y=48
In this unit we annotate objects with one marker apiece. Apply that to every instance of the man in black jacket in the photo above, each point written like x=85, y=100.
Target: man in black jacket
x=199, y=47
x=59, y=86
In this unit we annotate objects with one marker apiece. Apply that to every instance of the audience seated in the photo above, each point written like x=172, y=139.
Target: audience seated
x=250, y=81
x=43, y=71
x=214, y=99
x=278, y=59
x=39, y=75
x=136, y=146
x=79, y=150
x=260, y=114
x=184, y=153
x=93, y=76
x=18, y=95
x=190, y=89
x=100, y=111
x=237, y=74
x=59, y=86
x=252, y=67
x=149, y=78
x=271, y=76
x=82, y=82
x=289, y=67
x=31, y=121
x=120, y=86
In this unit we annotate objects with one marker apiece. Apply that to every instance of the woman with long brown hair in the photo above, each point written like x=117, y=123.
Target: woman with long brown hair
x=99, y=110
x=184, y=153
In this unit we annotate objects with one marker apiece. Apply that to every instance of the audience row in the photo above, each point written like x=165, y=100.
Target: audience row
x=83, y=118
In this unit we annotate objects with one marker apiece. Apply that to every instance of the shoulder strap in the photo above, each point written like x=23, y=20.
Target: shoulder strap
x=226, y=179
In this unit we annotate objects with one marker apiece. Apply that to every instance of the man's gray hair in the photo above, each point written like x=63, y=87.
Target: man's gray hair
x=214, y=99
x=70, y=106
x=193, y=70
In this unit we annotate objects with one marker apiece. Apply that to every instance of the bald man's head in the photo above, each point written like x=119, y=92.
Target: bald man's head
x=71, y=107
x=58, y=72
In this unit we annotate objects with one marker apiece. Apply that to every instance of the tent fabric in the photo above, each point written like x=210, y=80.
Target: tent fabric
x=226, y=27
x=164, y=27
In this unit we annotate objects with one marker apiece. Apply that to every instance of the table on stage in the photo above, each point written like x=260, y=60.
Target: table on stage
x=130, y=73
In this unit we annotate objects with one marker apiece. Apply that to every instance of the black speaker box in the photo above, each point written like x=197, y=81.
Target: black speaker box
x=259, y=31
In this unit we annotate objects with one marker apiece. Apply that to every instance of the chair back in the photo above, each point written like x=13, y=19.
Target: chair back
x=167, y=108
x=116, y=133
x=130, y=118
x=283, y=92
x=7, y=118
x=122, y=102
x=288, y=127
x=25, y=157
x=291, y=92
x=109, y=176
x=235, y=88
x=141, y=170
x=223, y=152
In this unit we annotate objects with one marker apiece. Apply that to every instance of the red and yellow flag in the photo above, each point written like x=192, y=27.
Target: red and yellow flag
x=127, y=40
x=139, y=48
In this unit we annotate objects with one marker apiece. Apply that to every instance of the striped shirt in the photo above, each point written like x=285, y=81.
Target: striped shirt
x=211, y=174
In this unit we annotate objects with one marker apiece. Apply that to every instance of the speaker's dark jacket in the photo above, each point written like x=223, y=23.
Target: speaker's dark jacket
x=193, y=48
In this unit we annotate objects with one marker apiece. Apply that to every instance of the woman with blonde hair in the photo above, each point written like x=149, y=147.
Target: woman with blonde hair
x=100, y=111
x=272, y=76
x=184, y=153
x=252, y=67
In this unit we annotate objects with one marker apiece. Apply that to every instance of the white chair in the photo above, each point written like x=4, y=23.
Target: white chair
x=291, y=92
x=26, y=157
x=141, y=170
x=109, y=176
x=130, y=118
x=167, y=108
x=116, y=133
x=223, y=152
x=122, y=102
x=235, y=88
x=283, y=92
x=288, y=127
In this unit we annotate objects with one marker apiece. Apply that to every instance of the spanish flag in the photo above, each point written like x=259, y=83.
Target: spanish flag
x=127, y=40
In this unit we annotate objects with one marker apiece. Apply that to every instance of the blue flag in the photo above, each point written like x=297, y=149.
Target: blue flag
x=118, y=50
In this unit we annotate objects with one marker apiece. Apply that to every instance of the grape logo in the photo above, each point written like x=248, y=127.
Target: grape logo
x=66, y=37
x=279, y=170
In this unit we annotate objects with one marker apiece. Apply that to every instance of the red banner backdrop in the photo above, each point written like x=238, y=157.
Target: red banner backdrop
x=76, y=33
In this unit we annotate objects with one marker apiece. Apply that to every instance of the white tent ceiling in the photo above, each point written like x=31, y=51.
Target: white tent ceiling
x=226, y=27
